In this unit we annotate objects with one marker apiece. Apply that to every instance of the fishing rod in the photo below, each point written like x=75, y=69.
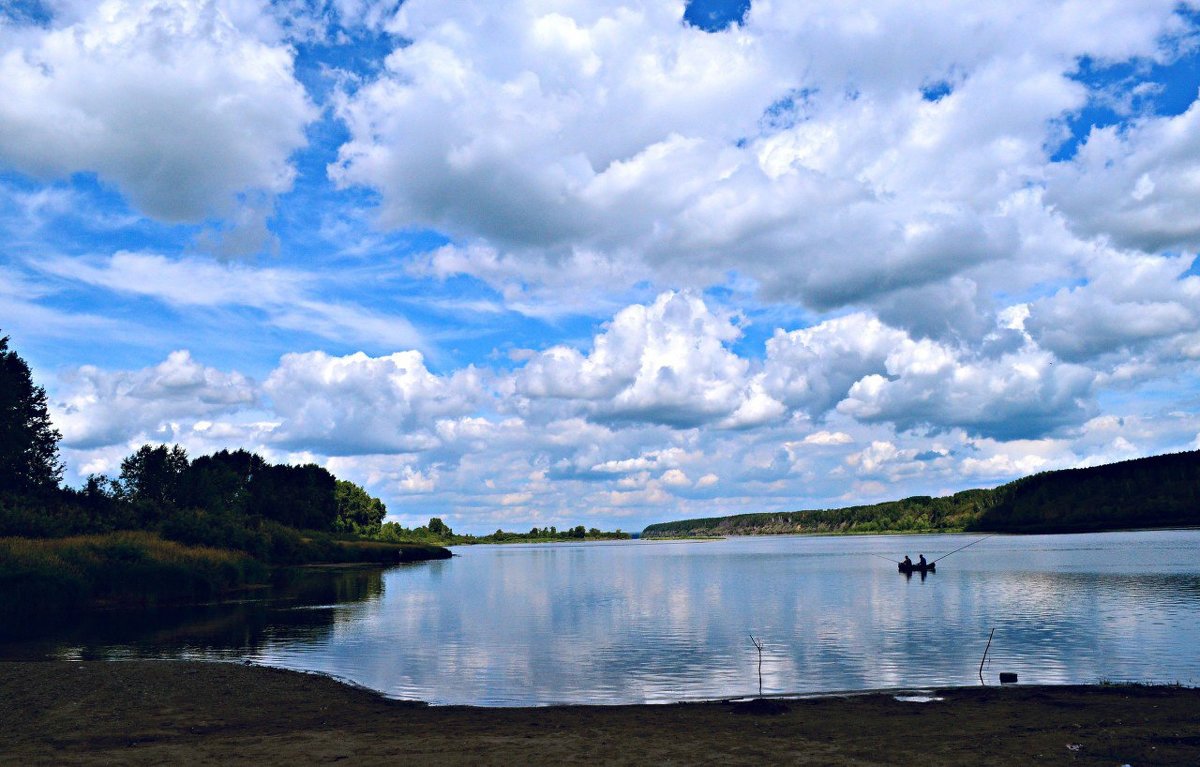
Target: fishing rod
x=969, y=545
x=939, y=559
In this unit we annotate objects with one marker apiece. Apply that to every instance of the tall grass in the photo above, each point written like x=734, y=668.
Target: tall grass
x=47, y=577
x=278, y=544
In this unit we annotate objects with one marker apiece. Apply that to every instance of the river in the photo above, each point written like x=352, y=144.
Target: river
x=645, y=621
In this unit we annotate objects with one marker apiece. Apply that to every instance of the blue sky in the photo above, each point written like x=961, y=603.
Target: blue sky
x=607, y=263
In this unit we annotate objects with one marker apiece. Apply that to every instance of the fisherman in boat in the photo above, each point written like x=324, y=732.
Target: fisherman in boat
x=907, y=563
x=921, y=563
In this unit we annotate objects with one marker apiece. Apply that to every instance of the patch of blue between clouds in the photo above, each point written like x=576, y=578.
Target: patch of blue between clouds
x=752, y=342
x=715, y=15
x=789, y=110
x=1036, y=292
x=24, y=12
x=324, y=68
x=936, y=91
x=1123, y=91
x=350, y=59
x=92, y=217
x=1164, y=398
x=1194, y=269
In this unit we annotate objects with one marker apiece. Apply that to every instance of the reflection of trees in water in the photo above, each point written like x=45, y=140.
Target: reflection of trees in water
x=327, y=585
x=299, y=605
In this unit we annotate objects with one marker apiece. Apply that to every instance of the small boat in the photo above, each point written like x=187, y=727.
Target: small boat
x=916, y=568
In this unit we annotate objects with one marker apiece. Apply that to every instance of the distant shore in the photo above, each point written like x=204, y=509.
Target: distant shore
x=1158, y=492
x=169, y=712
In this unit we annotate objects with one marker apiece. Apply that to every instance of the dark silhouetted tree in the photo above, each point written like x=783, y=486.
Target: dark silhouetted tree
x=154, y=476
x=220, y=483
x=28, y=442
x=357, y=511
x=297, y=496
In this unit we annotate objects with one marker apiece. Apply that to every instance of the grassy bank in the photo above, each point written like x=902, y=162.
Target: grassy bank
x=43, y=577
x=335, y=551
x=46, y=577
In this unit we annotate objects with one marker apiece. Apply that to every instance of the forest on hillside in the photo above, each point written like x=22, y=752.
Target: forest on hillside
x=1155, y=492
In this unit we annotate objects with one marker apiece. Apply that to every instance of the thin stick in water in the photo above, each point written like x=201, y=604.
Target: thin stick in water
x=758, y=643
x=984, y=658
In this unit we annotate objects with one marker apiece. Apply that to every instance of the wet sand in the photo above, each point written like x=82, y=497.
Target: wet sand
x=170, y=712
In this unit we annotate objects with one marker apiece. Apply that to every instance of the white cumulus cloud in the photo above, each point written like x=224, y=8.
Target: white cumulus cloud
x=359, y=404
x=98, y=408
x=1138, y=186
x=668, y=363
x=181, y=104
x=799, y=149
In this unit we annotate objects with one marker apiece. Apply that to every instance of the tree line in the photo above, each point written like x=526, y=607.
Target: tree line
x=439, y=532
x=221, y=499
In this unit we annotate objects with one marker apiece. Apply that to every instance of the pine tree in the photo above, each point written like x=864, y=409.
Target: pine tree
x=28, y=441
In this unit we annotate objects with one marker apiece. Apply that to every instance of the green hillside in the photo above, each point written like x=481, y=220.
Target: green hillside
x=1161, y=491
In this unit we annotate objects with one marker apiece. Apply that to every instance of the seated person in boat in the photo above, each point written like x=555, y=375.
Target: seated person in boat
x=907, y=563
x=921, y=563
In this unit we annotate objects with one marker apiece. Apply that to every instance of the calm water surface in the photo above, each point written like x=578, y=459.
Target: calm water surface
x=640, y=621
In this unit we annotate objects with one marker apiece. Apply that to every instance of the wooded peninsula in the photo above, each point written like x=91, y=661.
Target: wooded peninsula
x=170, y=528
x=1156, y=492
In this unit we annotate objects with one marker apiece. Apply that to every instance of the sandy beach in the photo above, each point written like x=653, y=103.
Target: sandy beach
x=169, y=712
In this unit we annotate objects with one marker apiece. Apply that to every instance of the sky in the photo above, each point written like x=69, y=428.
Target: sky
x=608, y=263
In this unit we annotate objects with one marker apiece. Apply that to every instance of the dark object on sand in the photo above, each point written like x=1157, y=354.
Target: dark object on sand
x=760, y=707
x=908, y=569
x=1008, y=677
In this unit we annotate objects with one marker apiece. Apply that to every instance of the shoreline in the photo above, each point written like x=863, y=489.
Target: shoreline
x=153, y=712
